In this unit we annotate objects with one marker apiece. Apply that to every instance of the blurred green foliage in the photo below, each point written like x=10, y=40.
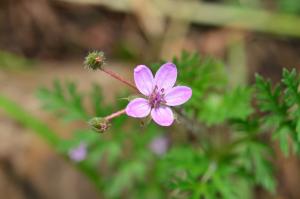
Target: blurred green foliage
x=280, y=105
x=33, y=123
x=289, y=6
x=14, y=62
x=286, y=6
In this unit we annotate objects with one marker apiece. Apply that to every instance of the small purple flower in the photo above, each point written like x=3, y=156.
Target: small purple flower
x=78, y=153
x=159, y=92
x=159, y=145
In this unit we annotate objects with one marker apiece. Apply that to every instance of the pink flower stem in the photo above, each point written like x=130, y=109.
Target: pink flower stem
x=118, y=77
x=116, y=114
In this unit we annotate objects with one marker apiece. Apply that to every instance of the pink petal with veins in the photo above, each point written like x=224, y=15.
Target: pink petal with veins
x=138, y=108
x=162, y=115
x=143, y=78
x=166, y=76
x=178, y=95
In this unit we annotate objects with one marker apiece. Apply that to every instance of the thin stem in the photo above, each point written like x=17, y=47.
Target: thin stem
x=116, y=114
x=118, y=77
x=228, y=148
x=192, y=125
x=209, y=172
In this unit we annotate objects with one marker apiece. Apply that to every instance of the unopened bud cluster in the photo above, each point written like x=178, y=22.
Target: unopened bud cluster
x=94, y=60
x=99, y=124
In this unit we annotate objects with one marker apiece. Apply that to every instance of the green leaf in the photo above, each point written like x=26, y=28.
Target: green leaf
x=298, y=130
x=233, y=105
x=283, y=135
x=125, y=177
x=65, y=102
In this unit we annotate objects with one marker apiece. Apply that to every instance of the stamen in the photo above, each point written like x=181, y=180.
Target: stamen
x=157, y=97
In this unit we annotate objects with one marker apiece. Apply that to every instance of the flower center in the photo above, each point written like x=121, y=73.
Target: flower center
x=156, y=98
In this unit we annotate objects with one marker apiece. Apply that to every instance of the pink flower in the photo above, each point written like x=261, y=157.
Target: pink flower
x=159, y=145
x=159, y=93
x=78, y=153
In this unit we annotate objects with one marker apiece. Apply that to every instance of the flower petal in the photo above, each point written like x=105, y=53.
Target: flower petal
x=143, y=78
x=178, y=95
x=166, y=76
x=138, y=107
x=162, y=115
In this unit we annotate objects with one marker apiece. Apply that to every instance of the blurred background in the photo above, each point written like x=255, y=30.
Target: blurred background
x=41, y=40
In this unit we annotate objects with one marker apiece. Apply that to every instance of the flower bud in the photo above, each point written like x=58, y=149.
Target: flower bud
x=99, y=124
x=94, y=60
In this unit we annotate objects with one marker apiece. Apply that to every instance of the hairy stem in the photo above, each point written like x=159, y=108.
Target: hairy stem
x=116, y=114
x=118, y=77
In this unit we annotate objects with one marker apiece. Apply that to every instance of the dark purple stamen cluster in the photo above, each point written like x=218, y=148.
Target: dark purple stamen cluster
x=156, y=98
